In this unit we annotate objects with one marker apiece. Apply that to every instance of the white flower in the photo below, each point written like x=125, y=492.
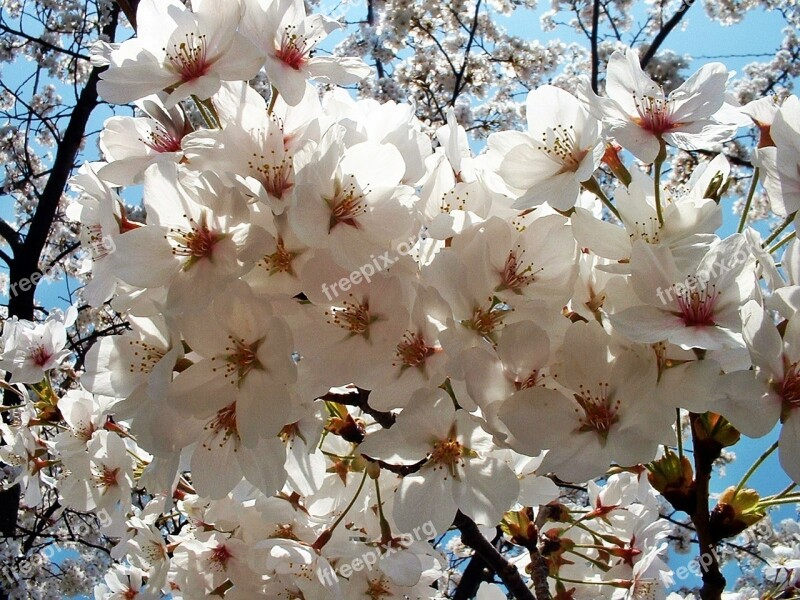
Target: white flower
x=283, y=32
x=123, y=583
x=198, y=239
x=32, y=349
x=693, y=309
x=131, y=144
x=605, y=413
x=245, y=367
x=560, y=150
x=458, y=473
x=754, y=401
x=689, y=221
x=183, y=52
x=781, y=162
x=350, y=201
x=639, y=115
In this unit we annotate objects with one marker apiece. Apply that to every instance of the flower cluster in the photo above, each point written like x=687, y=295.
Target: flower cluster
x=286, y=430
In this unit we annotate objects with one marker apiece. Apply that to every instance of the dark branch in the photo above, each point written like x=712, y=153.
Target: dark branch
x=43, y=43
x=26, y=263
x=593, y=41
x=705, y=453
x=476, y=572
x=665, y=31
x=472, y=537
x=459, y=83
x=359, y=398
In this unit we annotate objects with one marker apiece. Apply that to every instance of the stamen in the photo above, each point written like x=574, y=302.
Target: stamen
x=413, y=351
x=295, y=49
x=347, y=204
x=654, y=114
x=559, y=143
x=599, y=410
x=188, y=59
x=514, y=275
x=697, y=306
x=352, y=316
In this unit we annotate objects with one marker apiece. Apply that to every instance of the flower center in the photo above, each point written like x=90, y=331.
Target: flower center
x=790, y=389
x=197, y=244
x=160, y=140
x=346, y=205
x=530, y=382
x=188, y=58
x=599, y=411
x=276, y=178
x=145, y=357
x=413, y=351
x=654, y=114
x=154, y=552
x=279, y=261
x=295, y=49
x=514, y=275
x=106, y=478
x=447, y=454
x=40, y=356
x=225, y=423
x=484, y=321
x=284, y=531
x=648, y=231
x=697, y=306
x=353, y=317
x=378, y=588
x=219, y=558
x=242, y=359
x=560, y=145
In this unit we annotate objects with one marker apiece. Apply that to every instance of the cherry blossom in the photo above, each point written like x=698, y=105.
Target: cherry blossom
x=181, y=51
x=640, y=116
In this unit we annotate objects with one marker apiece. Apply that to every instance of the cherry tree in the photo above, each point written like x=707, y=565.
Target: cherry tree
x=322, y=348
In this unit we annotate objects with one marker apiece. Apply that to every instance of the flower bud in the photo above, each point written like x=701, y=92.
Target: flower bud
x=712, y=427
x=673, y=477
x=735, y=512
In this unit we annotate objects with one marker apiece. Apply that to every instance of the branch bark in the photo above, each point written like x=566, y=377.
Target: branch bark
x=704, y=456
x=665, y=31
x=593, y=40
x=476, y=572
x=473, y=538
x=360, y=399
x=460, y=83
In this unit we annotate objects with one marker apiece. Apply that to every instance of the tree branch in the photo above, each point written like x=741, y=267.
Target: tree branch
x=26, y=263
x=458, y=86
x=476, y=572
x=665, y=31
x=473, y=538
x=41, y=42
x=371, y=23
x=359, y=398
x=705, y=454
x=593, y=41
